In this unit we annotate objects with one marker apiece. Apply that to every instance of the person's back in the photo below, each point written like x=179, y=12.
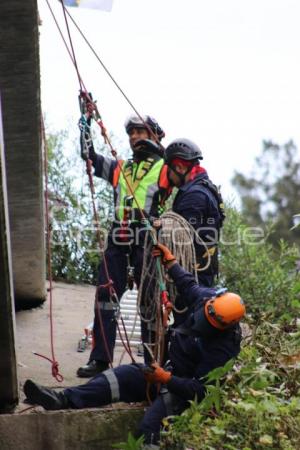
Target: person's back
x=199, y=202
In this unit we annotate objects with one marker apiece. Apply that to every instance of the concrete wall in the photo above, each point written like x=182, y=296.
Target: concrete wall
x=66, y=430
x=20, y=92
x=8, y=367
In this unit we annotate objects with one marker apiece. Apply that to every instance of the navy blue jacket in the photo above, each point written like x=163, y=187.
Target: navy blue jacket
x=193, y=357
x=198, y=205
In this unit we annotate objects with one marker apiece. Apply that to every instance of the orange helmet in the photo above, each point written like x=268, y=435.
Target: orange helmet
x=225, y=310
x=219, y=313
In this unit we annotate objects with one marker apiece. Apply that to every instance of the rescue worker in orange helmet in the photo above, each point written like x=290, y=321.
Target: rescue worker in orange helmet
x=207, y=339
x=146, y=173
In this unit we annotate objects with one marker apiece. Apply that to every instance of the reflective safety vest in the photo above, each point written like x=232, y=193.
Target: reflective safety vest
x=149, y=183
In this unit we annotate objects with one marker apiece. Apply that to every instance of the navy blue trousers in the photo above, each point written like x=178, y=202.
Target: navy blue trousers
x=104, y=317
x=132, y=388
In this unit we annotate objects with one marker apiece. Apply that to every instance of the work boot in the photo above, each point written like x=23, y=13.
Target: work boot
x=92, y=368
x=45, y=397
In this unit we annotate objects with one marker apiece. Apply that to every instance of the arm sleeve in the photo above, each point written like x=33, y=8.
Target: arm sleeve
x=193, y=208
x=186, y=388
x=104, y=167
x=188, y=287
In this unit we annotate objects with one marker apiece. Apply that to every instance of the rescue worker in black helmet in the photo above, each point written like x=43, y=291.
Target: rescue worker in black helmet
x=208, y=338
x=199, y=201
x=146, y=174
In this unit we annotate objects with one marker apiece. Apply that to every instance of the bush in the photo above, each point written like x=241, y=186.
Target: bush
x=257, y=407
x=75, y=254
x=265, y=277
x=258, y=404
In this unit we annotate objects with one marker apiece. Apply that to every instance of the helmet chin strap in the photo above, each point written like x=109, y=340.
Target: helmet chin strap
x=181, y=176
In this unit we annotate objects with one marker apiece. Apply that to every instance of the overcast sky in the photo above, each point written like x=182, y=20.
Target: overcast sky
x=224, y=73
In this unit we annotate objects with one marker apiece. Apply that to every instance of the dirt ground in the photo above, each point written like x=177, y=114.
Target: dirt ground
x=73, y=307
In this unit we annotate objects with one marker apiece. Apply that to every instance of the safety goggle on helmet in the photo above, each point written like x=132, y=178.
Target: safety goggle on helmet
x=182, y=148
x=144, y=122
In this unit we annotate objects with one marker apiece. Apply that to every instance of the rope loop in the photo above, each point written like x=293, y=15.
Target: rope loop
x=55, y=372
x=54, y=363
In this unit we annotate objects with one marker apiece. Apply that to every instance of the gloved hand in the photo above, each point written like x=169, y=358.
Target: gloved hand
x=148, y=146
x=82, y=124
x=86, y=144
x=157, y=374
x=162, y=250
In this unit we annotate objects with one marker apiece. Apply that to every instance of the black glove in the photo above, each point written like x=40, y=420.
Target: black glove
x=148, y=147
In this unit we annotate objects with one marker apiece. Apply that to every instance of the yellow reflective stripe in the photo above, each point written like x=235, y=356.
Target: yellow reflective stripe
x=144, y=186
x=210, y=251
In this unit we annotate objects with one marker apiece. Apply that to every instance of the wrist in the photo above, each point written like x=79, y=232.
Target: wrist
x=165, y=377
x=170, y=264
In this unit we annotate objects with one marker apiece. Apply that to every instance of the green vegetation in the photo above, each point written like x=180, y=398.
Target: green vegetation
x=270, y=192
x=257, y=406
x=74, y=247
x=252, y=403
x=264, y=275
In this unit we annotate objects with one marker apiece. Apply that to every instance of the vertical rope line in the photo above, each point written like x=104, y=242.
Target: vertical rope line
x=55, y=371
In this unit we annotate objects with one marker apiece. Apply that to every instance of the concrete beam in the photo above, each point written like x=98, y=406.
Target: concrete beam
x=20, y=90
x=88, y=429
x=8, y=366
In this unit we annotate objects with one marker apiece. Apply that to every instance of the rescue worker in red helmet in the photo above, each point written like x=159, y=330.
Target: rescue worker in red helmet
x=199, y=201
x=146, y=174
x=198, y=346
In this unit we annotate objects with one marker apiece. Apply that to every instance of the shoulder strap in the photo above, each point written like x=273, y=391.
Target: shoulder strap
x=215, y=190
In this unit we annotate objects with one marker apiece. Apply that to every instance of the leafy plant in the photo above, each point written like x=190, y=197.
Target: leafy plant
x=131, y=444
x=266, y=277
x=258, y=405
x=270, y=193
x=74, y=246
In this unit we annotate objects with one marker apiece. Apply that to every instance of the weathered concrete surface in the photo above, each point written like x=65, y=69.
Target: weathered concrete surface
x=8, y=368
x=73, y=310
x=66, y=430
x=20, y=92
x=40, y=430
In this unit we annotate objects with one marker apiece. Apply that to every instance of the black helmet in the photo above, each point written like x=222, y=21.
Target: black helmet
x=184, y=149
x=139, y=122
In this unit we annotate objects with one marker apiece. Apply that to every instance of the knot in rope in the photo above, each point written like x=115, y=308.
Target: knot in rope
x=55, y=372
x=54, y=369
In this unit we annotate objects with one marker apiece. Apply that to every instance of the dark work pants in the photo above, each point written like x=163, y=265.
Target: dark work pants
x=132, y=388
x=117, y=268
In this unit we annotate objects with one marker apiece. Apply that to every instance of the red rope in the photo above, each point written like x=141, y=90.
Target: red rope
x=105, y=136
x=71, y=43
x=114, y=81
x=55, y=371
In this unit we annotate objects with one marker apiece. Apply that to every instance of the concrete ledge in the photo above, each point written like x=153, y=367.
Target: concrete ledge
x=88, y=429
